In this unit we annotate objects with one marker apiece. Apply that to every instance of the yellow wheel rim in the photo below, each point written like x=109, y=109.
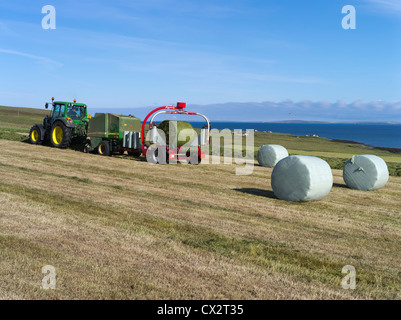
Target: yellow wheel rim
x=101, y=149
x=57, y=135
x=35, y=135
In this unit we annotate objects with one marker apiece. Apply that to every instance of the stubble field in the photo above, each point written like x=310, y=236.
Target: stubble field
x=119, y=228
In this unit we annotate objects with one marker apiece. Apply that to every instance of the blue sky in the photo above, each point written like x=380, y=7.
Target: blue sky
x=129, y=54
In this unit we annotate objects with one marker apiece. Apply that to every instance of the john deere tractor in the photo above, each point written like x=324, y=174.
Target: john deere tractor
x=68, y=120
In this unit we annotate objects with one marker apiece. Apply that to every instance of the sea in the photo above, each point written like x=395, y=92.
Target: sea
x=378, y=135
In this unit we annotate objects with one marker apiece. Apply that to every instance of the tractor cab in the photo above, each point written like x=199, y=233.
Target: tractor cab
x=72, y=111
x=76, y=112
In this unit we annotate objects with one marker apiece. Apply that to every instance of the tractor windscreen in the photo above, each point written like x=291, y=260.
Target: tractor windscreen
x=76, y=112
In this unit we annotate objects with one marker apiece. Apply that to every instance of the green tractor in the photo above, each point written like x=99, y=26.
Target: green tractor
x=68, y=120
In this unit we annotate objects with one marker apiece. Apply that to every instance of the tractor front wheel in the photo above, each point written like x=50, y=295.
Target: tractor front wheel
x=60, y=136
x=104, y=148
x=34, y=135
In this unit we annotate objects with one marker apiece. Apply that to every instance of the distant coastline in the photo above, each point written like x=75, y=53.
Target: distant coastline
x=392, y=150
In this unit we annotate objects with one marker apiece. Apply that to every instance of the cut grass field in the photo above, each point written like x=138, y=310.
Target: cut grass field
x=119, y=228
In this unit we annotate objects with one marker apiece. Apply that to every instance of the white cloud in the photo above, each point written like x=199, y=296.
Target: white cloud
x=38, y=59
x=374, y=111
x=280, y=78
x=391, y=6
x=5, y=30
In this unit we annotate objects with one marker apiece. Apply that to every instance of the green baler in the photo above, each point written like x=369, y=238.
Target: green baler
x=108, y=133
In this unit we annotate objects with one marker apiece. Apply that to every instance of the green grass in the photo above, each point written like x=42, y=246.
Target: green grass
x=21, y=117
x=14, y=134
x=15, y=123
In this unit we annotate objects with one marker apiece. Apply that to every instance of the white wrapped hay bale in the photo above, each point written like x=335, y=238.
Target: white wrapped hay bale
x=302, y=178
x=365, y=172
x=270, y=154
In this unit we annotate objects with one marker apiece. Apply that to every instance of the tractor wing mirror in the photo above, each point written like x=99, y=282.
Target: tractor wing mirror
x=47, y=105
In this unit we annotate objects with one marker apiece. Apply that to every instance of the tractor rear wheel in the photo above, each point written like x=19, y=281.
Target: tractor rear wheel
x=104, y=148
x=60, y=136
x=34, y=135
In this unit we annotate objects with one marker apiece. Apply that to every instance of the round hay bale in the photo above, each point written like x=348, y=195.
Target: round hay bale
x=270, y=154
x=301, y=178
x=181, y=131
x=365, y=172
